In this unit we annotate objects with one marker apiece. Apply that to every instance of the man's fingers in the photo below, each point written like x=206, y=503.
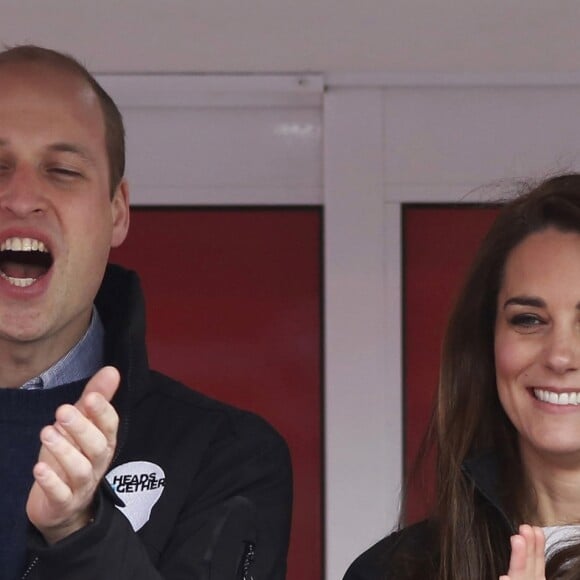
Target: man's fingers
x=103, y=415
x=55, y=489
x=105, y=381
x=71, y=464
x=75, y=453
x=83, y=438
x=94, y=404
x=89, y=438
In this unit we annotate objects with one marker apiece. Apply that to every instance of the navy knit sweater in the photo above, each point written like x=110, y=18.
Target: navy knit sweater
x=22, y=416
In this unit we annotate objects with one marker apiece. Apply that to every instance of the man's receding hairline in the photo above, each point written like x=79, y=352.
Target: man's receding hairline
x=30, y=54
x=67, y=68
x=84, y=83
x=48, y=66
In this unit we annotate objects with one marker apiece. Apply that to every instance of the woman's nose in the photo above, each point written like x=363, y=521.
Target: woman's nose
x=563, y=350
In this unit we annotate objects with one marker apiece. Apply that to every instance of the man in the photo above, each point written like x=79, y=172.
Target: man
x=134, y=475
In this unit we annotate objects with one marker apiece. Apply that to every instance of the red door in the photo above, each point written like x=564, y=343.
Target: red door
x=439, y=243
x=234, y=310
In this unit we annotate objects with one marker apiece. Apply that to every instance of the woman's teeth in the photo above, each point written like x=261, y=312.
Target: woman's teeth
x=557, y=399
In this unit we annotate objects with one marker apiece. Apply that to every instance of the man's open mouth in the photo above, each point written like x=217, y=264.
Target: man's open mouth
x=24, y=260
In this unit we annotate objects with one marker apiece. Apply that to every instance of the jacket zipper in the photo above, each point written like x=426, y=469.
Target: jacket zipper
x=30, y=567
x=247, y=559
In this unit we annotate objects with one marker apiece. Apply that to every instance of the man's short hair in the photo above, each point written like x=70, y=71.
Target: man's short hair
x=114, y=128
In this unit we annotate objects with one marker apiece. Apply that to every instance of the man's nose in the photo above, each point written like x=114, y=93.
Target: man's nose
x=22, y=193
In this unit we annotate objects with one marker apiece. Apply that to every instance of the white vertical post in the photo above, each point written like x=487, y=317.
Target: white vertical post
x=363, y=395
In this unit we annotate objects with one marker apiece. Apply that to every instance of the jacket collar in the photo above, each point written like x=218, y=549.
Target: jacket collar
x=484, y=471
x=122, y=309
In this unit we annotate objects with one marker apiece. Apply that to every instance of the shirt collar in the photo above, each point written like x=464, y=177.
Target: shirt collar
x=81, y=362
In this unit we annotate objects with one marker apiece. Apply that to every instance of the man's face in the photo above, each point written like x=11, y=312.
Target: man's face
x=57, y=219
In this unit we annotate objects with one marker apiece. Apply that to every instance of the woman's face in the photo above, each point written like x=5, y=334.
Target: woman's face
x=537, y=344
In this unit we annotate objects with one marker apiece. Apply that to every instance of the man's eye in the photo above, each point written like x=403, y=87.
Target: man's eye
x=64, y=172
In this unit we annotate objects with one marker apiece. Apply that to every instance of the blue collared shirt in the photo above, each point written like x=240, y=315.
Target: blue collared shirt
x=81, y=362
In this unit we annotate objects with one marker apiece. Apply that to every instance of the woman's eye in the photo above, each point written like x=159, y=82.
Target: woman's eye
x=526, y=320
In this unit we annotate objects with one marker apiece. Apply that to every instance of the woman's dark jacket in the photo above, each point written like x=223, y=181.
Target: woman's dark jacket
x=418, y=544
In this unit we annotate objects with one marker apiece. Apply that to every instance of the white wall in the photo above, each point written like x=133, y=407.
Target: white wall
x=303, y=35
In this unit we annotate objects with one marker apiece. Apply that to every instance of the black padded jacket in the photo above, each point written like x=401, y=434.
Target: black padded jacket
x=206, y=488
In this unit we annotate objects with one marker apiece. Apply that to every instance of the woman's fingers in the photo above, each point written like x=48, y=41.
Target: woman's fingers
x=527, y=561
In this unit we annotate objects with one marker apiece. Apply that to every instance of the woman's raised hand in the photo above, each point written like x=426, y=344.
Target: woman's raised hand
x=527, y=560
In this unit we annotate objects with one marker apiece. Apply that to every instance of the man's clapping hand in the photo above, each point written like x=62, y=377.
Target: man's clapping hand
x=75, y=454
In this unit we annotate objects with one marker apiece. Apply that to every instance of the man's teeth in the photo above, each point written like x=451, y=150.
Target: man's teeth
x=23, y=245
x=22, y=282
x=557, y=399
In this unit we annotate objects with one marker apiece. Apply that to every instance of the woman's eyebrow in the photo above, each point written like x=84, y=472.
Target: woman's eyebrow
x=525, y=301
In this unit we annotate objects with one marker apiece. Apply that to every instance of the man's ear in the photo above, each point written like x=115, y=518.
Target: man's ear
x=120, y=210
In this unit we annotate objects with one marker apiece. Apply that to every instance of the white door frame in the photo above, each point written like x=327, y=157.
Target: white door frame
x=359, y=146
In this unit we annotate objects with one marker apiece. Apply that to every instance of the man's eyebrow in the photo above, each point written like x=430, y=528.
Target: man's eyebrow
x=63, y=147
x=71, y=148
x=525, y=301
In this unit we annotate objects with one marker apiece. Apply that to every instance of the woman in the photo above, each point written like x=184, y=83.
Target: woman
x=506, y=424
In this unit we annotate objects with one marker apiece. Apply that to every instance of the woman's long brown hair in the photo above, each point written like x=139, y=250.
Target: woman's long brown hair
x=468, y=417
